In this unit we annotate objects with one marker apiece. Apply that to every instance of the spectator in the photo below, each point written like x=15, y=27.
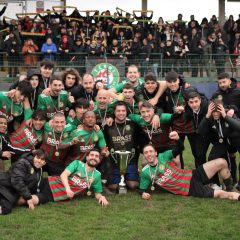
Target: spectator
x=168, y=56
x=221, y=52
x=29, y=49
x=206, y=57
x=13, y=50
x=195, y=51
x=48, y=18
x=237, y=59
x=64, y=48
x=146, y=50
x=49, y=49
x=181, y=50
x=228, y=28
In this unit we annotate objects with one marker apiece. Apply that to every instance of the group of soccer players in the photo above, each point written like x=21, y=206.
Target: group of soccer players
x=77, y=132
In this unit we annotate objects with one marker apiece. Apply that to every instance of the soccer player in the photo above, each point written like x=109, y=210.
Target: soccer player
x=103, y=108
x=77, y=178
x=27, y=137
x=228, y=90
x=159, y=136
x=7, y=151
x=13, y=106
x=58, y=100
x=161, y=171
x=149, y=90
x=196, y=109
x=46, y=70
x=133, y=76
x=80, y=106
x=121, y=136
x=87, y=90
x=85, y=139
x=224, y=131
x=175, y=97
x=55, y=134
x=22, y=180
x=129, y=98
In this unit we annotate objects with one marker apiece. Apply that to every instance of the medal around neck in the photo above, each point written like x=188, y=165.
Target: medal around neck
x=89, y=193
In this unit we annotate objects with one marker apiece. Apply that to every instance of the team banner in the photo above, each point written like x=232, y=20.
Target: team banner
x=107, y=70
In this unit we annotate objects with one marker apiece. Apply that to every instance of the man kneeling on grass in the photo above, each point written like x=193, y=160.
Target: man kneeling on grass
x=162, y=172
x=75, y=179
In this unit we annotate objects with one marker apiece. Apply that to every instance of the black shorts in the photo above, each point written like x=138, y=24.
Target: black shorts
x=45, y=194
x=198, y=187
x=54, y=169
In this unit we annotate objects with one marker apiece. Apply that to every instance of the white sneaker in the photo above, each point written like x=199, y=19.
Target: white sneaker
x=215, y=186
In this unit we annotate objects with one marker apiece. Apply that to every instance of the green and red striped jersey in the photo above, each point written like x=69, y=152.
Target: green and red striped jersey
x=51, y=141
x=26, y=137
x=87, y=141
x=166, y=175
x=77, y=181
x=180, y=124
x=10, y=109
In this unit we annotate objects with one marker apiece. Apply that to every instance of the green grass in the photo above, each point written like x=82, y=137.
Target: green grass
x=165, y=216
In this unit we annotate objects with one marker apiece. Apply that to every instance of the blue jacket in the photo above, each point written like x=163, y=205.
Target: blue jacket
x=46, y=47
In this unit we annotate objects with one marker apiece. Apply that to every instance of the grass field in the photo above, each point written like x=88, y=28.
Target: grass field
x=165, y=216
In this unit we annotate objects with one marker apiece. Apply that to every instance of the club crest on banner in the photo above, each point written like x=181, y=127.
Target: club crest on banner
x=106, y=73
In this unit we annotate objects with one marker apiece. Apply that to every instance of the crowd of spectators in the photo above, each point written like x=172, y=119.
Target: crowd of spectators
x=132, y=37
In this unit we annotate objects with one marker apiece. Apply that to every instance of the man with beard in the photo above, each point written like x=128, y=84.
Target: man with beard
x=77, y=178
x=121, y=136
x=227, y=88
x=162, y=172
x=229, y=91
x=86, y=138
x=88, y=89
x=103, y=108
x=58, y=100
x=56, y=133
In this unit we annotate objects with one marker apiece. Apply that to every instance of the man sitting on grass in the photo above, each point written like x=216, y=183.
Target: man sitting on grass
x=77, y=178
x=161, y=171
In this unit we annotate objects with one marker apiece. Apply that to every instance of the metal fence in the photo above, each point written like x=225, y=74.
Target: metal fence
x=199, y=67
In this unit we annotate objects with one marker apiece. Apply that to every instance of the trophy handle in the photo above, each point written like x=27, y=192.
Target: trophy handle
x=113, y=155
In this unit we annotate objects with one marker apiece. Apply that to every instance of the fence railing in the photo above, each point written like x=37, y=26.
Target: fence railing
x=202, y=67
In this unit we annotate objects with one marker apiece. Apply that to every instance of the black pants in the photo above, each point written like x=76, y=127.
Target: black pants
x=54, y=169
x=220, y=150
x=199, y=148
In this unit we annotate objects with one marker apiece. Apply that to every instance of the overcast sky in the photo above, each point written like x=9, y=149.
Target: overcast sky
x=168, y=9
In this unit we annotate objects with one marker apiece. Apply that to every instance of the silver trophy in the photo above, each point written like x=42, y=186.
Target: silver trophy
x=122, y=158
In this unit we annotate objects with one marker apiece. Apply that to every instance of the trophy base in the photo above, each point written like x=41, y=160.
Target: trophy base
x=122, y=190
